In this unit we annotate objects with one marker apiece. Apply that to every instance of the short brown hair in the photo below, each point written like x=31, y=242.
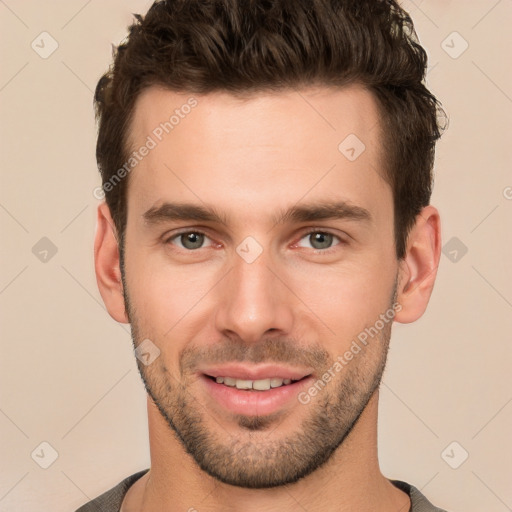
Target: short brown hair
x=246, y=46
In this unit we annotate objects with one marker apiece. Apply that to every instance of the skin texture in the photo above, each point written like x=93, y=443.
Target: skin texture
x=299, y=303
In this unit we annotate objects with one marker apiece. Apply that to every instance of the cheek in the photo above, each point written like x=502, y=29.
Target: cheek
x=165, y=295
x=347, y=299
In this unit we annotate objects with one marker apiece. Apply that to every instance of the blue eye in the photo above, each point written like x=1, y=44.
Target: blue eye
x=320, y=240
x=189, y=240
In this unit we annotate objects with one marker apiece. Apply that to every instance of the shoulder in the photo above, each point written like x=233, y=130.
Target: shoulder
x=110, y=501
x=419, y=503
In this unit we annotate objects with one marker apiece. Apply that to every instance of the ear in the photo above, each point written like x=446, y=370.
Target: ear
x=418, y=270
x=106, y=264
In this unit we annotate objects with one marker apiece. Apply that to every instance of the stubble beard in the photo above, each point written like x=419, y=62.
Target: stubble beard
x=260, y=456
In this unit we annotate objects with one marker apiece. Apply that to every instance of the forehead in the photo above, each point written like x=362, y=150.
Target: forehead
x=263, y=148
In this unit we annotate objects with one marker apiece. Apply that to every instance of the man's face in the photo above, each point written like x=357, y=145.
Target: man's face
x=259, y=289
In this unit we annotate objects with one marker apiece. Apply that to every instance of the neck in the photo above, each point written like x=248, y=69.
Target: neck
x=349, y=480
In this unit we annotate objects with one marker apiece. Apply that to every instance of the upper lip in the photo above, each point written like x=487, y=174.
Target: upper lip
x=259, y=372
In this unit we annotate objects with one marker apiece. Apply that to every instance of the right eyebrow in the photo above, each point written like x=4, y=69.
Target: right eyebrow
x=182, y=211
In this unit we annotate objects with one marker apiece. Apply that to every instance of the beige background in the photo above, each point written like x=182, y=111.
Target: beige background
x=67, y=372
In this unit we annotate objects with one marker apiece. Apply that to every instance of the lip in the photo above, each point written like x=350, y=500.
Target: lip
x=254, y=403
x=265, y=371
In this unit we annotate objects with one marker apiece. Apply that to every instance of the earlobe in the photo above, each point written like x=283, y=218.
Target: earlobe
x=418, y=270
x=107, y=267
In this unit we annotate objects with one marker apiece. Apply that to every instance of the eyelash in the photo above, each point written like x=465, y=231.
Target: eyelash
x=309, y=232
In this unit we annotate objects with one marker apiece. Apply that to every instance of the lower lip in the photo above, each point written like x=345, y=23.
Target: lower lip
x=252, y=402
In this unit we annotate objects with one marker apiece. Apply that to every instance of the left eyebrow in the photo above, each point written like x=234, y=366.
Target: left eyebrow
x=332, y=210
x=304, y=213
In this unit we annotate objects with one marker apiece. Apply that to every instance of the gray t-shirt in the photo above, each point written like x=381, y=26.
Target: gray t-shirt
x=111, y=500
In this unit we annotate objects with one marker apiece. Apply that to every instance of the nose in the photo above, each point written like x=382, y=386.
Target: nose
x=254, y=301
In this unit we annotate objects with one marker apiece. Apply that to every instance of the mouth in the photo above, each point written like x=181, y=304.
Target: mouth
x=254, y=385
x=253, y=397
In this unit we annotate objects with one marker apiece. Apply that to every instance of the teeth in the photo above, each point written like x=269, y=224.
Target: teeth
x=259, y=385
